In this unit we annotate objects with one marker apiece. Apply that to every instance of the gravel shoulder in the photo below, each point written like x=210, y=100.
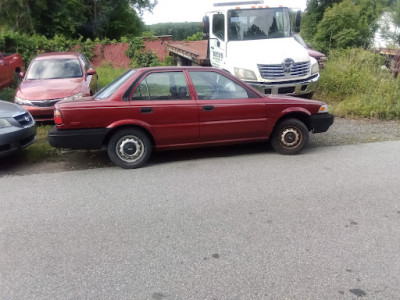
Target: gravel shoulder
x=343, y=132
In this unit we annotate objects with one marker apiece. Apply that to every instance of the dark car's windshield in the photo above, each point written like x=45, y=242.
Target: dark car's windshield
x=255, y=24
x=54, y=69
x=109, y=89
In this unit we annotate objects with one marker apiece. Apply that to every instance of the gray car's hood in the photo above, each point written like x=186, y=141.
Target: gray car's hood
x=9, y=110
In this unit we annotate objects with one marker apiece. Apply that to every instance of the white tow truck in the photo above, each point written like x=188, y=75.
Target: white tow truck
x=254, y=41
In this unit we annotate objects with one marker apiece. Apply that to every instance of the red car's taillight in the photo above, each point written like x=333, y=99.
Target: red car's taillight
x=58, y=120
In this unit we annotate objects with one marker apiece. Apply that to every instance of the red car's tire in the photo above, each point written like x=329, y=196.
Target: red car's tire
x=290, y=136
x=129, y=148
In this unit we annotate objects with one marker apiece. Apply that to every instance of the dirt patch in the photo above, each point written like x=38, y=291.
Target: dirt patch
x=69, y=160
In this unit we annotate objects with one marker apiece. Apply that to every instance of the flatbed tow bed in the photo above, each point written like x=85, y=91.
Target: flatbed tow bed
x=194, y=52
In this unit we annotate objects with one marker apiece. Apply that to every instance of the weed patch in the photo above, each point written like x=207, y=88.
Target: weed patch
x=107, y=74
x=7, y=94
x=41, y=150
x=355, y=83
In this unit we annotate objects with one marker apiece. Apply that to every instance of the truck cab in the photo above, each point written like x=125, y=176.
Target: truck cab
x=254, y=41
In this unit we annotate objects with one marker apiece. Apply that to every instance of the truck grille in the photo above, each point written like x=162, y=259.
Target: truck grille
x=24, y=119
x=277, y=71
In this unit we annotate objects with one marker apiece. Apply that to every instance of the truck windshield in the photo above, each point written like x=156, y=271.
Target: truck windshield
x=256, y=24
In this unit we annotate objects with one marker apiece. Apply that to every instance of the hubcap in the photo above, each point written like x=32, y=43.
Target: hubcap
x=130, y=148
x=290, y=137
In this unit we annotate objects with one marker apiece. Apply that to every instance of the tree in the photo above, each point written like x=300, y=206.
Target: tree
x=179, y=31
x=112, y=19
x=348, y=24
x=60, y=17
x=314, y=13
x=74, y=18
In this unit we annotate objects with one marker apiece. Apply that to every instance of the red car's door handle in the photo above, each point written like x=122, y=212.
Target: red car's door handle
x=208, y=108
x=146, y=110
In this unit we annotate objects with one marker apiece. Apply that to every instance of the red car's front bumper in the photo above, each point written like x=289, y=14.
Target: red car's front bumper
x=41, y=113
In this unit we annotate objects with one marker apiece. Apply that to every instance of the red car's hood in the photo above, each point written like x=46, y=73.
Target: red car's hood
x=49, y=88
x=293, y=100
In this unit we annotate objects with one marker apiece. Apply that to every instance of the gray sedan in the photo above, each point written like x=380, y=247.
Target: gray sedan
x=17, y=128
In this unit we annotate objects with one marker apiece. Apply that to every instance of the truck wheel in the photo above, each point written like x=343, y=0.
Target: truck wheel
x=290, y=137
x=129, y=148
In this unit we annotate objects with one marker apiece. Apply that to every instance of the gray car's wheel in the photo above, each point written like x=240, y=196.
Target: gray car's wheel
x=129, y=148
x=290, y=137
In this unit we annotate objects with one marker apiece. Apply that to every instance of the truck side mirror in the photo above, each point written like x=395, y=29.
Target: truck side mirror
x=206, y=25
x=298, y=21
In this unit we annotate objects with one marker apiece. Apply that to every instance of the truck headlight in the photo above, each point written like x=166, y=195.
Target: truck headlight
x=4, y=123
x=323, y=109
x=22, y=101
x=245, y=74
x=314, y=66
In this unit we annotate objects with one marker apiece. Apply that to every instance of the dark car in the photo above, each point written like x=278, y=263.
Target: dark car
x=320, y=57
x=180, y=107
x=17, y=128
x=10, y=66
x=53, y=77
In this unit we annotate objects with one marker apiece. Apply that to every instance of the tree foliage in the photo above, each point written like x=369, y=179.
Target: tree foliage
x=72, y=18
x=348, y=25
x=314, y=13
x=343, y=23
x=179, y=31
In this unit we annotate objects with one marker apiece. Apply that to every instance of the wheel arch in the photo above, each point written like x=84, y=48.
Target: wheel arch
x=301, y=116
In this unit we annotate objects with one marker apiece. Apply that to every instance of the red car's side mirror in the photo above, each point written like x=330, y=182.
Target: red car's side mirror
x=91, y=71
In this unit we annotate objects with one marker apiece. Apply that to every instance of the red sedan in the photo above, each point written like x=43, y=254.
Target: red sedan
x=53, y=77
x=178, y=107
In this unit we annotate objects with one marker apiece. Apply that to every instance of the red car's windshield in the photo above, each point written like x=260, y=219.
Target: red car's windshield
x=54, y=69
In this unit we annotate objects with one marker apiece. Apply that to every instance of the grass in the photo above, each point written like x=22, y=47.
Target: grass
x=107, y=74
x=41, y=149
x=7, y=94
x=355, y=84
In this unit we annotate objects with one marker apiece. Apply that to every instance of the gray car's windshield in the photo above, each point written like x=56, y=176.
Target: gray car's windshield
x=54, y=69
x=255, y=24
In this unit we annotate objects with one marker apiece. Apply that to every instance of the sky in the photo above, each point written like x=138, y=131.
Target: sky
x=194, y=10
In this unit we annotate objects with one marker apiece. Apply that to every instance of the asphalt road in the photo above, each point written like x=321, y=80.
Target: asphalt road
x=258, y=225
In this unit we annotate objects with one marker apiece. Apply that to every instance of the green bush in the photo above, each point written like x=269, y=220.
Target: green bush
x=29, y=46
x=139, y=56
x=355, y=82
